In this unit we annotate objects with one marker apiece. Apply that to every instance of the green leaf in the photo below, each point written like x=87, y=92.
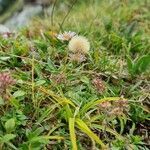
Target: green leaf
x=72, y=133
x=142, y=64
x=130, y=29
x=31, y=134
x=84, y=79
x=12, y=146
x=40, y=82
x=50, y=65
x=132, y=128
x=130, y=65
x=14, y=102
x=10, y=125
x=19, y=94
x=6, y=138
x=47, y=112
x=4, y=58
x=1, y=101
x=45, y=139
x=68, y=112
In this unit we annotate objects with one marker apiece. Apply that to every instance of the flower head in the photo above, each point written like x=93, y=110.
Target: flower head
x=116, y=111
x=5, y=81
x=79, y=44
x=59, y=78
x=99, y=85
x=66, y=36
x=77, y=57
x=105, y=105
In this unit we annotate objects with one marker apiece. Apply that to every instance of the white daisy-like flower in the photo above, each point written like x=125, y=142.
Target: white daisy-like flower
x=79, y=44
x=66, y=36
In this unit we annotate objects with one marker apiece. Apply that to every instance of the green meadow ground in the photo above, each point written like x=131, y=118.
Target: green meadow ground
x=100, y=103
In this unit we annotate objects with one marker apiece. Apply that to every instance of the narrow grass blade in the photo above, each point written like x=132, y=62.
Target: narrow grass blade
x=118, y=136
x=69, y=113
x=91, y=104
x=46, y=113
x=43, y=138
x=84, y=128
x=72, y=133
x=56, y=97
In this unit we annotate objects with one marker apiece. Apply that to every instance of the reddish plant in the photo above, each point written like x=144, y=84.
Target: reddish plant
x=5, y=82
x=99, y=85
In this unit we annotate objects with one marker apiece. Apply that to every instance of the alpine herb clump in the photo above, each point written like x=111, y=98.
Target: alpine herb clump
x=5, y=82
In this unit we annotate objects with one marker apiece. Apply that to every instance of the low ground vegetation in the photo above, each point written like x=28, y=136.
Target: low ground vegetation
x=83, y=89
